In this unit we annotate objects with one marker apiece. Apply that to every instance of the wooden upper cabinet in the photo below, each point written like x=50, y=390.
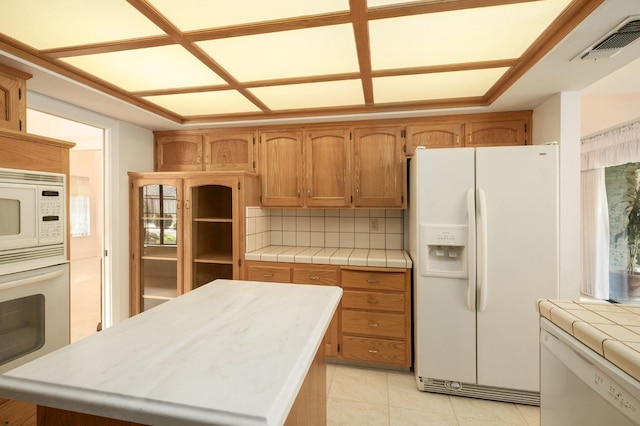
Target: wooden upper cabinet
x=13, y=98
x=437, y=135
x=327, y=168
x=178, y=153
x=379, y=178
x=497, y=133
x=281, y=169
x=229, y=151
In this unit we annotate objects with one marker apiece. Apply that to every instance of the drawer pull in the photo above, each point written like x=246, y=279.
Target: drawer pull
x=372, y=301
x=268, y=275
x=373, y=351
x=373, y=324
x=372, y=281
x=314, y=278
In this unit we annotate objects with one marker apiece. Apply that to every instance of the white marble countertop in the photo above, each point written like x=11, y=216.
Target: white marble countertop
x=332, y=256
x=230, y=352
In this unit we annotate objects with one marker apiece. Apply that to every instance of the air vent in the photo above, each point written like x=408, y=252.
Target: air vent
x=625, y=34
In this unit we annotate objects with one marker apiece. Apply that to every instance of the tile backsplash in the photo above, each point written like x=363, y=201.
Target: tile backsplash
x=343, y=228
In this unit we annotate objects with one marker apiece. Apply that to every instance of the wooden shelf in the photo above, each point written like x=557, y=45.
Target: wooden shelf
x=220, y=258
x=213, y=219
x=168, y=253
x=161, y=293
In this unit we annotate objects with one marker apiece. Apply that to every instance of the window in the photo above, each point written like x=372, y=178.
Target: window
x=159, y=214
x=80, y=206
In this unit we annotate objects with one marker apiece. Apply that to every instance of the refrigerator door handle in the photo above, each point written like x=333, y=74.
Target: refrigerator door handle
x=482, y=251
x=471, y=248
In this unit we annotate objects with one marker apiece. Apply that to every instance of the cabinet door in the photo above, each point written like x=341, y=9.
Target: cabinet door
x=12, y=102
x=229, y=151
x=178, y=153
x=443, y=135
x=496, y=133
x=327, y=168
x=156, y=242
x=281, y=169
x=211, y=232
x=378, y=168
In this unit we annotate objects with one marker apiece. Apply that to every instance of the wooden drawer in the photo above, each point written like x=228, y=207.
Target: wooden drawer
x=374, y=350
x=373, y=324
x=274, y=274
x=373, y=280
x=328, y=276
x=390, y=302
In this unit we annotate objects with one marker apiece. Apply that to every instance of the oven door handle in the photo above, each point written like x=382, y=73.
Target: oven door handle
x=31, y=280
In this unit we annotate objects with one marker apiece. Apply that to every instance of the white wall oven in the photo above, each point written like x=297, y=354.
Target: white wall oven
x=34, y=273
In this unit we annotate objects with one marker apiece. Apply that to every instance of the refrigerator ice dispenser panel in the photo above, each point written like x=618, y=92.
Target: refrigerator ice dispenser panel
x=445, y=254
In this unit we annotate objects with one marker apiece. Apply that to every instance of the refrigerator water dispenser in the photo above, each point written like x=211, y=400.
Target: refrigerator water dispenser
x=446, y=251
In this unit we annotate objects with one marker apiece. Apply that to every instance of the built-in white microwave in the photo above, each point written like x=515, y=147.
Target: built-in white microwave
x=32, y=220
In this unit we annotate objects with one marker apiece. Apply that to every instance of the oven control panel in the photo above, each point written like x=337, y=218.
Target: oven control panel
x=51, y=227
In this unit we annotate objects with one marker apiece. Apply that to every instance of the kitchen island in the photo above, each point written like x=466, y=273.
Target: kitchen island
x=229, y=352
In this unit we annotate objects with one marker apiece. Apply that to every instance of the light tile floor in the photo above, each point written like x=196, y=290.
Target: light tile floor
x=364, y=396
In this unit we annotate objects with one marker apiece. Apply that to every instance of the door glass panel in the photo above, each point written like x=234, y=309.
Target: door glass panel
x=159, y=263
x=21, y=327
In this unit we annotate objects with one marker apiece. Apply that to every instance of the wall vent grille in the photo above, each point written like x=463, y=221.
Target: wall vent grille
x=623, y=35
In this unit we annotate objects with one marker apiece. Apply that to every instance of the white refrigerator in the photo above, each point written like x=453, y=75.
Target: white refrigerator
x=483, y=236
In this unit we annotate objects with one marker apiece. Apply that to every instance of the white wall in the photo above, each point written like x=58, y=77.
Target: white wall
x=558, y=119
x=127, y=148
x=602, y=112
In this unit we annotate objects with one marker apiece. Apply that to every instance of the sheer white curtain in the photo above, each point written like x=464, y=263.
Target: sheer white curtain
x=613, y=147
x=595, y=235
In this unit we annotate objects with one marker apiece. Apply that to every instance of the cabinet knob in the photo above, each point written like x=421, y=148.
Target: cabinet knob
x=267, y=275
x=309, y=193
x=372, y=301
x=187, y=204
x=373, y=351
x=298, y=193
x=372, y=281
x=373, y=324
x=314, y=277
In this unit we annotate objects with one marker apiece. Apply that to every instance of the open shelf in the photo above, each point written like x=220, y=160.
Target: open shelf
x=167, y=253
x=221, y=258
x=213, y=220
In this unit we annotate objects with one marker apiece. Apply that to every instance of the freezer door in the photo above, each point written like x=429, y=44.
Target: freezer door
x=444, y=324
x=519, y=186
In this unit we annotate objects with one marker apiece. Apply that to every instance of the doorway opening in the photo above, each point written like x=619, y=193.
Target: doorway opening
x=86, y=213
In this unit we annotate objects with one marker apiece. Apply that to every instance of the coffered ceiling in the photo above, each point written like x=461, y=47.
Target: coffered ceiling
x=203, y=61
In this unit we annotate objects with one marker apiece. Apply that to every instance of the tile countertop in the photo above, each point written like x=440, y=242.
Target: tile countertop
x=612, y=330
x=332, y=256
x=229, y=352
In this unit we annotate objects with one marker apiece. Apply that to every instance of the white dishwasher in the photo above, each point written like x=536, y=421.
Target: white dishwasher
x=580, y=387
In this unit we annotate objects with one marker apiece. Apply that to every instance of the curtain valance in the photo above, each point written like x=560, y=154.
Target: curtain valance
x=612, y=147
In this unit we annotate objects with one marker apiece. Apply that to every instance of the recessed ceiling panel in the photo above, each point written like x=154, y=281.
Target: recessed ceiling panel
x=201, y=14
x=421, y=87
x=147, y=69
x=460, y=36
x=295, y=53
x=311, y=95
x=47, y=24
x=205, y=103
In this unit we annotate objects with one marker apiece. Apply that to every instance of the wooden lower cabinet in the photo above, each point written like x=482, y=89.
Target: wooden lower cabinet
x=372, y=323
x=376, y=315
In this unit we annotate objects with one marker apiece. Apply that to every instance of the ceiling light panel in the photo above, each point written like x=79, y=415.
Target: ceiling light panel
x=205, y=103
x=202, y=14
x=287, y=54
x=424, y=87
x=311, y=95
x=148, y=69
x=460, y=36
x=48, y=24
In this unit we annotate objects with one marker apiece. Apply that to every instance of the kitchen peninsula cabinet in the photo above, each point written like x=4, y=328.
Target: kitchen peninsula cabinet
x=379, y=168
x=300, y=274
x=185, y=232
x=214, y=150
x=13, y=98
x=281, y=169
